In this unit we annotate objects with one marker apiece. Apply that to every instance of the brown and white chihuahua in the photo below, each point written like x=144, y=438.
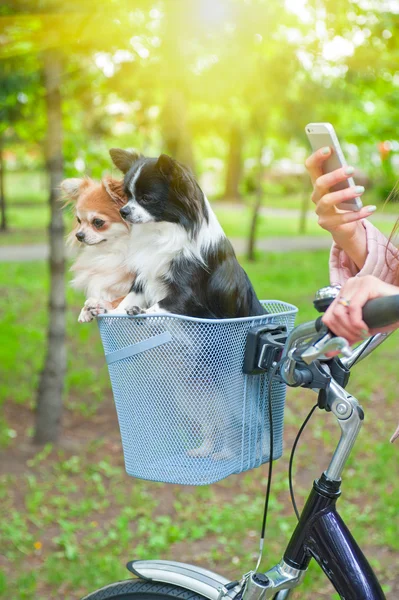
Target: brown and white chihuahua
x=101, y=269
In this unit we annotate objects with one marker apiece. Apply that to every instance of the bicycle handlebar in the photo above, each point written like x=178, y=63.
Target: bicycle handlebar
x=377, y=313
x=381, y=312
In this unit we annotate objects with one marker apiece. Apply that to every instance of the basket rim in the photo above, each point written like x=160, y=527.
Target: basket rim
x=292, y=310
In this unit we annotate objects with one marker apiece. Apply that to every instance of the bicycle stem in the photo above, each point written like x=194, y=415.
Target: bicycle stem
x=350, y=418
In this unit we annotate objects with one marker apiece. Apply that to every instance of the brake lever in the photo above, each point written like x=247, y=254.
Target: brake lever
x=327, y=343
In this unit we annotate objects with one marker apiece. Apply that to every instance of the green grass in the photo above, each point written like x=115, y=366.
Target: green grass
x=69, y=515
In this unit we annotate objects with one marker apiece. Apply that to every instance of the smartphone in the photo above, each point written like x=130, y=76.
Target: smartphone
x=323, y=134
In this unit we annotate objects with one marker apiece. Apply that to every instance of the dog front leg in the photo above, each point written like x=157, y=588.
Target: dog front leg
x=155, y=309
x=129, y=303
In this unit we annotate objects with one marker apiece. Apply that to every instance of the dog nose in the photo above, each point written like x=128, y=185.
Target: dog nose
x=124, y=211
x=81, y=236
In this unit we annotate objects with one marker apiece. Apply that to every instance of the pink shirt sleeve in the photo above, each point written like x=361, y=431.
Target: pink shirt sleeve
x=382, y=259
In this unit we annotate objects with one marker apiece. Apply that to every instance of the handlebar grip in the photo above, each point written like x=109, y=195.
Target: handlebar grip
x=381, y=312
x=319, y=325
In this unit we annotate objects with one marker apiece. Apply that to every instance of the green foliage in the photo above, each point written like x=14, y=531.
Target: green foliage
x=154, y=75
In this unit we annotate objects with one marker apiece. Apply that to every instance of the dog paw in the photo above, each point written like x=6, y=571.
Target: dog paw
x=85, y=316
x=92, y=308
x=135, y=310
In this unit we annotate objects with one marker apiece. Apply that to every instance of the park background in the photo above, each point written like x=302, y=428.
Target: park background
x=227, y=88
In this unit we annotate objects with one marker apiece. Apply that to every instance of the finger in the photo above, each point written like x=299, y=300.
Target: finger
x=350, y=216
x=339, y=323
x=355, y=314
x=314, y=163
x=331, y=222
x=329, y=179
x=349, y=319
x=337, y=317
x=336, y=198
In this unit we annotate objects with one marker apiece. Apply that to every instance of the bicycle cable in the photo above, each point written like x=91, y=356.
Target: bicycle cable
x=272, y=375
x=306, y=421
x=362, y=352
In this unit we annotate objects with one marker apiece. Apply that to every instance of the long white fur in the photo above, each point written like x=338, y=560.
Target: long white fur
x=154, y=245
x=102, y=263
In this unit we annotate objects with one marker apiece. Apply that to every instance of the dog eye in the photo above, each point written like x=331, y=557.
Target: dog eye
x=98, y=223
x=78, y=220
x=145, y=198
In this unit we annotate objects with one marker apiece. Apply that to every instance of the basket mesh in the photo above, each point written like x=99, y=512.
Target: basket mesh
x=186, y=411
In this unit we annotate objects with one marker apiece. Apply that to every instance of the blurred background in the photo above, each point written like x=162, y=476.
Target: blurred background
x=226, y=87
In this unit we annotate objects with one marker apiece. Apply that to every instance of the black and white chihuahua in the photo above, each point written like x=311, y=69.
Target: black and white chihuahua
x=184, y=263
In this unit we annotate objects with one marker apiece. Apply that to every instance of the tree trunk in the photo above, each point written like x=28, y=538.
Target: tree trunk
x=234, y=164
x=175, y=129
x=51, y=385
x=3, y=216
x=304, y=213
x=256, y=209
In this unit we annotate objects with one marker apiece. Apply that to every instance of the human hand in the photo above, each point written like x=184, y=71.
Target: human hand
x=340, y=223
x=344, y=316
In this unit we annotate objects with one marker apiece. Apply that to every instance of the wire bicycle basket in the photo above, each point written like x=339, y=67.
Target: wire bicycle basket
x=187, y=413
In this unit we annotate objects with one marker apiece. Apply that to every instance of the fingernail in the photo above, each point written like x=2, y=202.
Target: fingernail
x=326, y=150
x=359, y=189
x=371, y=208
x=349, y=170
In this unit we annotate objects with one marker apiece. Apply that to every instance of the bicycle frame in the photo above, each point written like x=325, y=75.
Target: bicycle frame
x=320, y=533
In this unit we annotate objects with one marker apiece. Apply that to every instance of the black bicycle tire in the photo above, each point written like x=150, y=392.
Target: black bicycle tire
x=130, y=589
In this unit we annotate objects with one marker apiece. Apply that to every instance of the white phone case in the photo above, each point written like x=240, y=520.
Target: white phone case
x=323, y=134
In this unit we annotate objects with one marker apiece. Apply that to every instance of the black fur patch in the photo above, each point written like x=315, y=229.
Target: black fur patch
x=168, y=191
x=137, y=287
x=219, y=290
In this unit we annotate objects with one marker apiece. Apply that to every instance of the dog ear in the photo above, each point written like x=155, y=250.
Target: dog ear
x=73, y=187
x=188, y=199
x=114, y=189
x=165, y=164
x=123, y=159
